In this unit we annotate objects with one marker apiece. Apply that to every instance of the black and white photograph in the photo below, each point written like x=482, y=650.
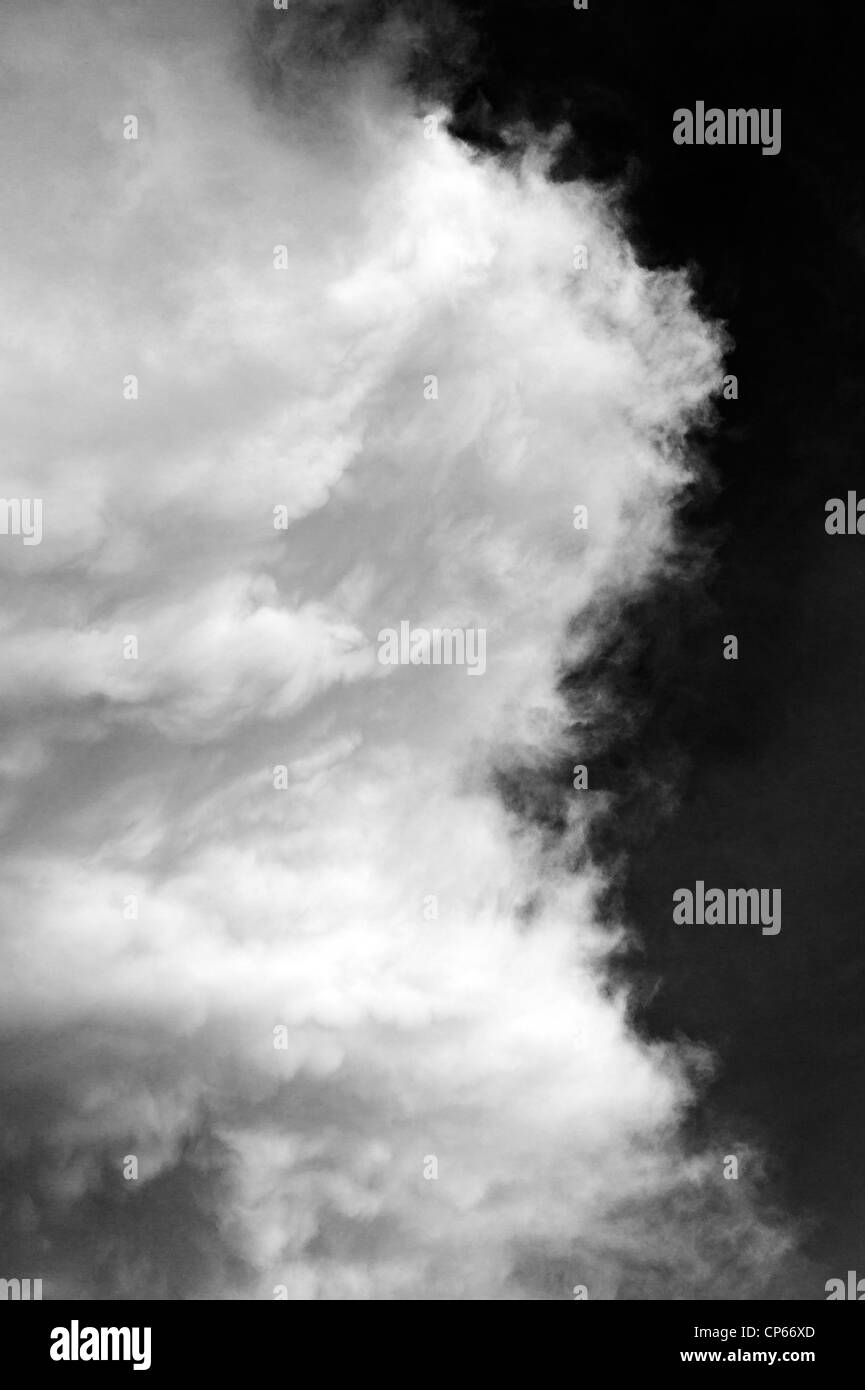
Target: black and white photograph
x=432, y=693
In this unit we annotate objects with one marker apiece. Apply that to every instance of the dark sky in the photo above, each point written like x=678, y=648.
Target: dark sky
x=768, y=752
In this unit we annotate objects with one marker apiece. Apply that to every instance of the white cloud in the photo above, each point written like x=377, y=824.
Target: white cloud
x=483, y=1036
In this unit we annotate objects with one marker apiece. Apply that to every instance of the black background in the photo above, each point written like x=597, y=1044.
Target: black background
x=765, y=757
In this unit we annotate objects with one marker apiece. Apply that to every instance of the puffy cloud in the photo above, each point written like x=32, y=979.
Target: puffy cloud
x=437, y=967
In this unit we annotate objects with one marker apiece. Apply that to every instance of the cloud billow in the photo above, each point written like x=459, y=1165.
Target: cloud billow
x=436, y=966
